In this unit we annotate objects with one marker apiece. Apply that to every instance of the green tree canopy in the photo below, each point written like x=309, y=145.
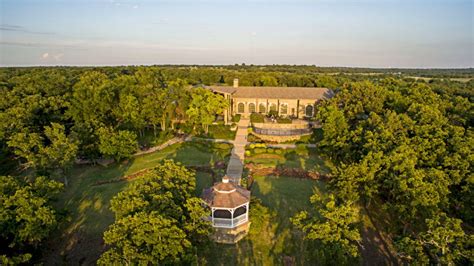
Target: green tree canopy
x=204, y=107
x=26, y=216
x=117, y=144
x=397, y=144
x=157, y=219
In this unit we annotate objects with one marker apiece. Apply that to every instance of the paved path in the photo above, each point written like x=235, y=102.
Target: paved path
x=236, y=162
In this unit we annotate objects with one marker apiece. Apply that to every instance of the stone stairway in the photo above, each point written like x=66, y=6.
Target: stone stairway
x=236, y=162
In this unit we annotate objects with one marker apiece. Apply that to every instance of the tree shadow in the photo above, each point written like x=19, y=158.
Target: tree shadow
x=285, y=197
x=376, y=248
x=87, y=214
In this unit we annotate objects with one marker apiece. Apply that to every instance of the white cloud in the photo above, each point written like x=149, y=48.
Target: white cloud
x=135, y=6
x=45, y=55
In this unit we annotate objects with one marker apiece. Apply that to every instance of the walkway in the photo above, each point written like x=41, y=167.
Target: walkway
x=174, y=140
x=236, y=162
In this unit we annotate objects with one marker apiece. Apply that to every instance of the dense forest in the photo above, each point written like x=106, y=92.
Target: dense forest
x=400, y=139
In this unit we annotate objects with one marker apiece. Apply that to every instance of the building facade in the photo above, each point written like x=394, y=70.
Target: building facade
x=296, y=102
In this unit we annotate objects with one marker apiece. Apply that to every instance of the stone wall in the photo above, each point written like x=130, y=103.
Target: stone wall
x=278, y=139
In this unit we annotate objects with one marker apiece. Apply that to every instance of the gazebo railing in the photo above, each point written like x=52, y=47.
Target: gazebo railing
x=229, y=223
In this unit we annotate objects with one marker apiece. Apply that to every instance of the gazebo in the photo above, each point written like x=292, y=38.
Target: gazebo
x=229, y=204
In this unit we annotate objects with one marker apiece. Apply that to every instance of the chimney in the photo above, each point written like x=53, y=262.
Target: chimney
x=236, y=83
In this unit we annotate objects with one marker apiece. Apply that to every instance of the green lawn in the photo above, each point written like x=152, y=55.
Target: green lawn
x=301, y=157
x=87, y=204
x=271, y=237
x=219, y=132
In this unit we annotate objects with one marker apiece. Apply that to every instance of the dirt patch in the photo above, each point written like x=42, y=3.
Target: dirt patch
x=204, y=168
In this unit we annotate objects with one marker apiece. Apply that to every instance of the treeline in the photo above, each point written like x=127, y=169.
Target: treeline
x=49, y=116
x=405, y=152
x=312, y=69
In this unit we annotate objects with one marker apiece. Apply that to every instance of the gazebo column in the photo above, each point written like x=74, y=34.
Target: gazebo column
x=247, y=211
x=231, y=217
x=212, y=216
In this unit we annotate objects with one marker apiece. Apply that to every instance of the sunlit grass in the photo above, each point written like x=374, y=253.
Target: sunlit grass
x=303, y=158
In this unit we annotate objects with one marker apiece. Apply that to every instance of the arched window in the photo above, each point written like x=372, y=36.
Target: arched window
x=309, y=110
x=251, y=108
x=273, y=107
x=222, y=214
x=284, y=109
x=240, y=108
x=262, y=108
x=240, y=210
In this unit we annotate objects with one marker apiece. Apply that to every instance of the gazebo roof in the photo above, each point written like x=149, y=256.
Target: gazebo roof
x=226, y=195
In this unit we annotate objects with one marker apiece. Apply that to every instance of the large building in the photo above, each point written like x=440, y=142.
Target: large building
x=297, y=102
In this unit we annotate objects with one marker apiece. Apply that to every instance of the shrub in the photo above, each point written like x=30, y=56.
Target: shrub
x=223, y=146
x=257, y=118
x=259, y=150
x=251, y=146
x=247, y=153
x=278, y=151
x=270, y=150
x=273, y=113
x=236, y=118
x=284, y=120
x=301, y=149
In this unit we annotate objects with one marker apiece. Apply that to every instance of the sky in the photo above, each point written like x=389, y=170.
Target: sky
x=354, y=33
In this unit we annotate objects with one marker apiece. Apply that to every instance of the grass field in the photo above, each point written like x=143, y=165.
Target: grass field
x=219, y=132
x=301, y=157
x=87, y=204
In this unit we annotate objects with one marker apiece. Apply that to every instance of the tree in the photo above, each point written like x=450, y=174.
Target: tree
x=204, y=107
x=157, y=219
x=62, y=149
x=144, y=238
x=336, y=224
x=443, y=241
x=54, y=151
x=118, y=144
x=92, y=100
x=27, y=216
